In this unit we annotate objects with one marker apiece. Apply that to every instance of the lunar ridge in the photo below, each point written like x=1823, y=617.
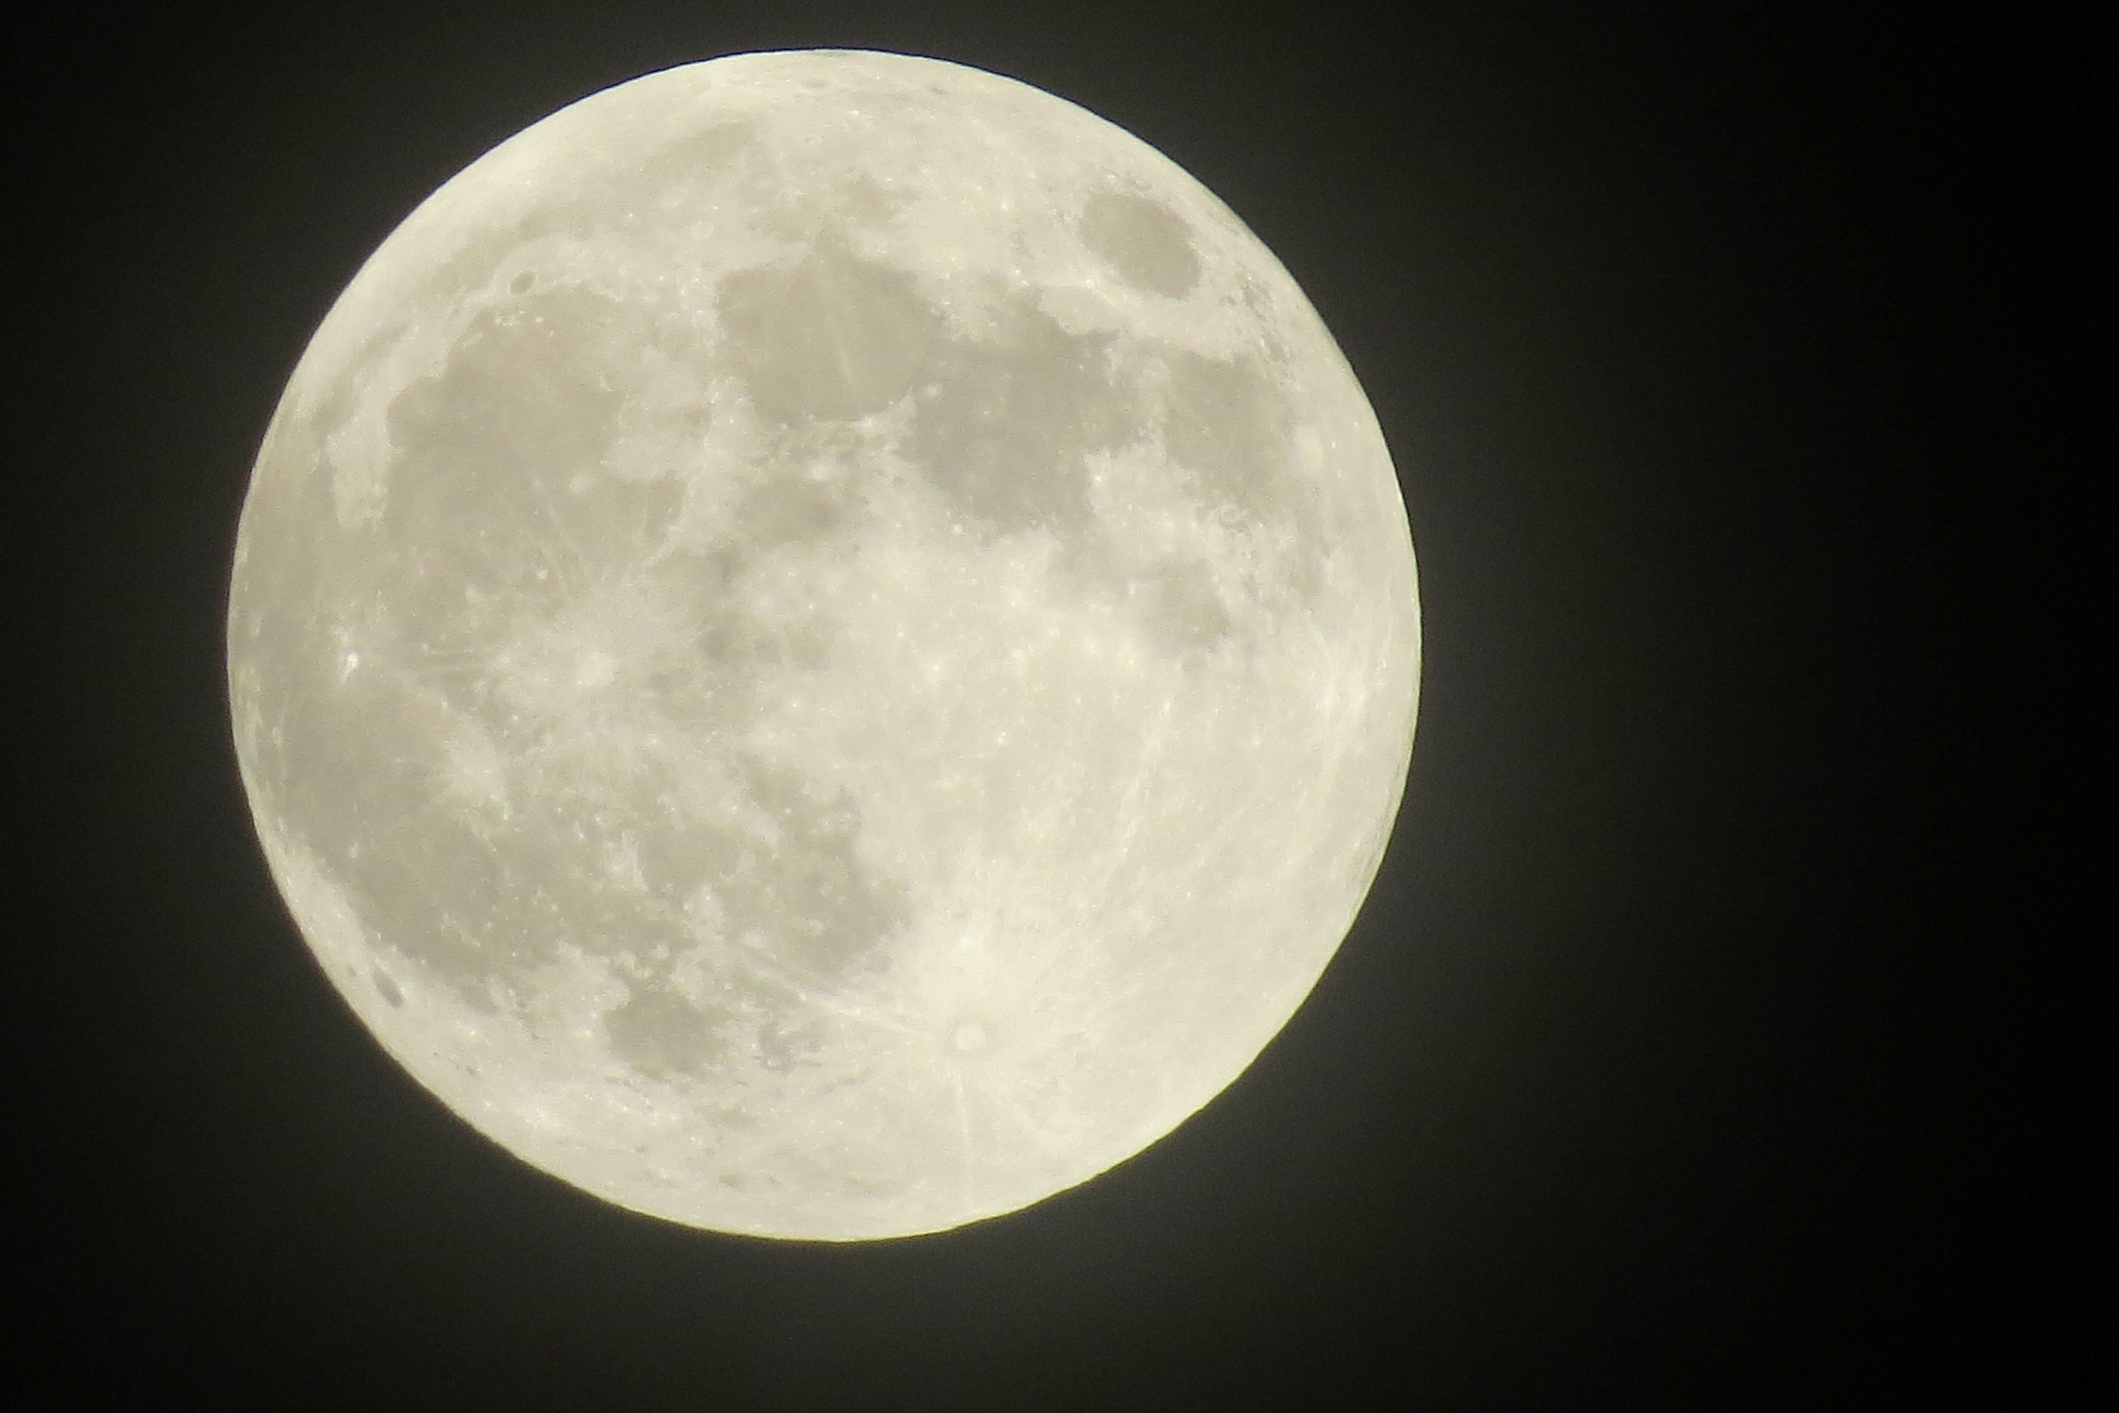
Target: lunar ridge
x=823, y=645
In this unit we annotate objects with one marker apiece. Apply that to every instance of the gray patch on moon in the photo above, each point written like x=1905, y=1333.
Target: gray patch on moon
x=796, y=508
x=590, y=861
x=676, y=166
x=661, y=1034
x=1149, y=245
x=1006, y=423
x=806, y=888
x=506, y=776
x=1180, y=605
x=830, y=338
x=488, y=446
x=1228, y=425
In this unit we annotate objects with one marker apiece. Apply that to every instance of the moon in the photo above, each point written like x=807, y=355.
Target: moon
x=823, y=645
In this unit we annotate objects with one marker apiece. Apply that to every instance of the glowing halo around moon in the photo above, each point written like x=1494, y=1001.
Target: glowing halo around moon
x=823, y=645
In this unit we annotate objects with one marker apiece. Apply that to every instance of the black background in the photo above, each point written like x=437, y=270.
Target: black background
x=1651, y=1076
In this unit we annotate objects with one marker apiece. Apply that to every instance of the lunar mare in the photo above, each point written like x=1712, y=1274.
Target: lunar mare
x=823, y=645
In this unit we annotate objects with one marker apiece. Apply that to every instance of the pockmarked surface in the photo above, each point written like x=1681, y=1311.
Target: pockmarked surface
x=824, y=645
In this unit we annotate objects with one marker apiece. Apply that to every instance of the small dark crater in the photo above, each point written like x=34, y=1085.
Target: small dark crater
x=387, y=989
x=521, y=283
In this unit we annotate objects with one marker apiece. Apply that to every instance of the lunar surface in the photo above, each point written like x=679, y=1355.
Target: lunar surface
x=823, y=645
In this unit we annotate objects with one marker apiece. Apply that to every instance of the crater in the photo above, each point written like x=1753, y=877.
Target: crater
x=1146, y=243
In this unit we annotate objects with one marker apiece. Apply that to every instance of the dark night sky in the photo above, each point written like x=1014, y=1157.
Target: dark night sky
x=1644, y=1079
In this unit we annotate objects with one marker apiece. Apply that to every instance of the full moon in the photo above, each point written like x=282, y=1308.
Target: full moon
x=823, y=645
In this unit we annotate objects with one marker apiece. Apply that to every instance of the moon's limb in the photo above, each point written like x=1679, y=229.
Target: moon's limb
x=823, y=645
